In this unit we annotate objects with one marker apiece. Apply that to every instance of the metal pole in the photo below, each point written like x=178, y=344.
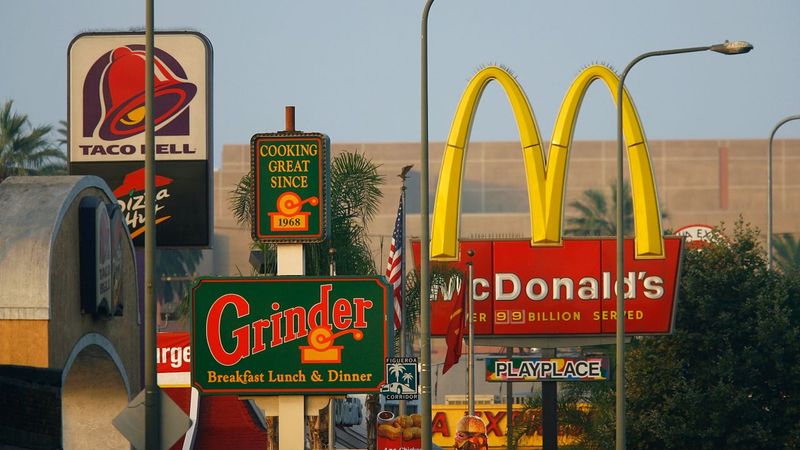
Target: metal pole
x=729, y=48
x=424, y=276
x=549, y=408
x=331, y=424
x=403, y=324
x=151, y=399
x=769, y=190
x=509, y=406
x=331, y=400
x=471, y=336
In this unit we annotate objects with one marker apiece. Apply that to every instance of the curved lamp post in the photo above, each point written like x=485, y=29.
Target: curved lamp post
x=424, y=244
x=727, y=48
x=769, y=190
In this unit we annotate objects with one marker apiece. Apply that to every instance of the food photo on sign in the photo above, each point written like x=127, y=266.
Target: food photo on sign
x=396, y=432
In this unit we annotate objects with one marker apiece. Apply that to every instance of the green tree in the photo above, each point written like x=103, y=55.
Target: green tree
x=729, y=375
x=585, y=411
x=25, y=150
x=597, y=216
x=786, y=252
x=63, y=135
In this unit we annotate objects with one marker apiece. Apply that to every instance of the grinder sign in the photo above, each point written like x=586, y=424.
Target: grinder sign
x=280, y=335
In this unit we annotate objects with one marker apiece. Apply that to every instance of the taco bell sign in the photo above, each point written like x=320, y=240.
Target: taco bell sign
x=107, y=126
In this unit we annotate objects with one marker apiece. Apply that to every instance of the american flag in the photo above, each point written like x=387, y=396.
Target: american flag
x=394, y=267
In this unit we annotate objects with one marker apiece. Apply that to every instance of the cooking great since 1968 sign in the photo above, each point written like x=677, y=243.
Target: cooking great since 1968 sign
x=284, y=335
x=291, y=187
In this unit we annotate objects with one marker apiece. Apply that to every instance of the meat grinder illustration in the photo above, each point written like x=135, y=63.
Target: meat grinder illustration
x=289, y=216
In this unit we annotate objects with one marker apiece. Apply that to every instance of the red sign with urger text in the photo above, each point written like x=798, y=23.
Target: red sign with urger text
x=566, y=290
x=173, y=359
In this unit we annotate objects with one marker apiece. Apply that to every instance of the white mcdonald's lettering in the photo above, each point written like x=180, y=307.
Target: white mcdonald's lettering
x=509, y=287
x=546, y=182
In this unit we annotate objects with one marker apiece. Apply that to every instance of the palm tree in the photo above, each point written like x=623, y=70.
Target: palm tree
x=441, y=275
x=25, y=150
x=597, y=216
x=787, y=252
x=63, y=135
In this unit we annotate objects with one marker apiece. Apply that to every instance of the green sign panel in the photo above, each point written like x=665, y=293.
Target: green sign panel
x=289, y=335
x=291, y=186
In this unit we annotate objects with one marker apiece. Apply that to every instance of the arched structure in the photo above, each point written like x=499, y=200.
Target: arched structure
x=70, y=363
x=546, y=178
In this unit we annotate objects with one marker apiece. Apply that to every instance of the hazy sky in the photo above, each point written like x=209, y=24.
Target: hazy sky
x=352, y=67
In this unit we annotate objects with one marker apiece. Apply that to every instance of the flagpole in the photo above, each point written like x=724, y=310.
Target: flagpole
x=403, y=345
x=471, y=344
x=402, y=406
x=402, y=329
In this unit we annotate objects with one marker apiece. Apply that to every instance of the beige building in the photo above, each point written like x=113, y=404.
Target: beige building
x=698, y=182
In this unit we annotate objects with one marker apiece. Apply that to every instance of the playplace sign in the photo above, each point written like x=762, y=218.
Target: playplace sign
x=549, y=285
x=289, y=335
x=546, y=369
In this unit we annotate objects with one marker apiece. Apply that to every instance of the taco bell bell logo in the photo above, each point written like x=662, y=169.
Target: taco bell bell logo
x=107, y=97
x=114, y=95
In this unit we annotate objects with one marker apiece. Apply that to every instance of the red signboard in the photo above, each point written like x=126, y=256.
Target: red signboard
x=559, y=290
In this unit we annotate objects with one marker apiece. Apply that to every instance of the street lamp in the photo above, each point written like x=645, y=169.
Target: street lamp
x=727, y=48
x=769, y=190
x=424, y=244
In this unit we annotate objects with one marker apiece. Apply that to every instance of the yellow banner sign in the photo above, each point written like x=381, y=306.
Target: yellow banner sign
x=495, y=417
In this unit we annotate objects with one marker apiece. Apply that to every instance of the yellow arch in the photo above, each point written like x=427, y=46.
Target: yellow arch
x=546, y=181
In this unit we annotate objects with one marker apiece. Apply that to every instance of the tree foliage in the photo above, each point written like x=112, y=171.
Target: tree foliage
x=26, y=150
x=729, y=376
x=597, y=216
x=440, y=276
x=786, y=252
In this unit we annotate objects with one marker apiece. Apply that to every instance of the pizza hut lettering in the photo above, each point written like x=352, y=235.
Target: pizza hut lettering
x=131, y=199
